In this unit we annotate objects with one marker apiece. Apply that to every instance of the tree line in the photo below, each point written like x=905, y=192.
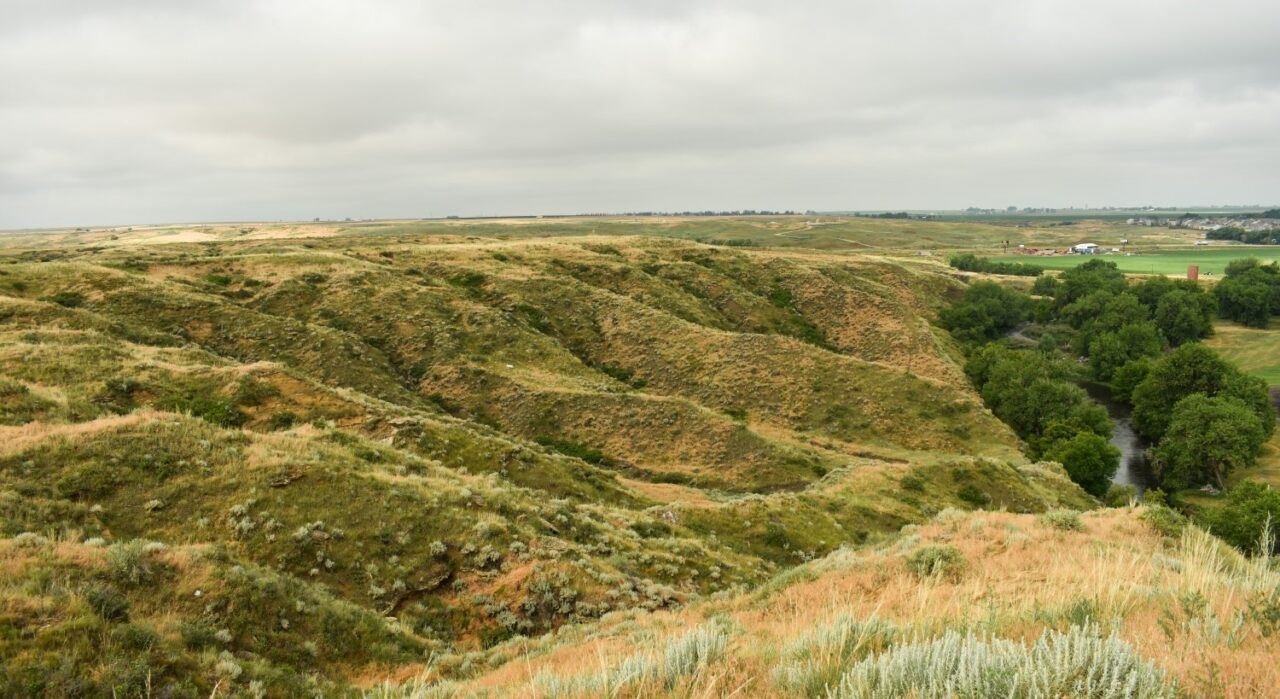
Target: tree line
x=1250, y=292
x=969, y=262
x=1204, y=417
x=1270, y=236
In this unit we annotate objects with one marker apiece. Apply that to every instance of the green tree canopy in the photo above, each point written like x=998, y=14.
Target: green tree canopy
x=1184, y=316
x=1151, y=290
x=1028, y=406
x=1242, y=521
x=1045, y=285
x=1108, y=351
x=1193, y=368
x=1207, y=438
x=1102, y=312
x=1092, y=276
x=1089, y=459
x=1029, y=390
x=1127, y=378
x=1250, y=294
x=1239, y=266
x=985, y=312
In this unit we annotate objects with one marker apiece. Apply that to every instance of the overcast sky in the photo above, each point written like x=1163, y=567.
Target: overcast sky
x=135, y=111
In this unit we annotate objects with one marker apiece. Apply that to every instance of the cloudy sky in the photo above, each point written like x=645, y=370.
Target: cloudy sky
x=137, y=111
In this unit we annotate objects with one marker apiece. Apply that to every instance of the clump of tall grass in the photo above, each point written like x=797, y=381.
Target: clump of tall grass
x=417, y=689
x=811, y=663
x=1210, y=562
x=130, y=562
x=679, y=661
x=1078, y=662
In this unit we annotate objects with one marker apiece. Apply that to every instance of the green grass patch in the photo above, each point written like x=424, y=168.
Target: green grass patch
x=1212, y=261
x=1254, y=350
x=579, y=450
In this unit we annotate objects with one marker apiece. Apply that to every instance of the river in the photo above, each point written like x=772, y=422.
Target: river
x=1133, y=469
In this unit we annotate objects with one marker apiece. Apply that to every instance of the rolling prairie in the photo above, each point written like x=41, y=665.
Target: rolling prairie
x=487, y=458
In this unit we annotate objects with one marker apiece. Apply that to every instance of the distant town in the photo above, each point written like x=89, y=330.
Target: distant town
x=1267, y=221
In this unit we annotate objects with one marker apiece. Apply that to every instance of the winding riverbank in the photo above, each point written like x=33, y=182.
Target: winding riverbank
x=1134, y=469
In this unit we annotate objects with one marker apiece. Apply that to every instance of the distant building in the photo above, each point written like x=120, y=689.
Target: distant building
x=1084, y=248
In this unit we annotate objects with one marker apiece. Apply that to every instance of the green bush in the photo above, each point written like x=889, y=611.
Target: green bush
x=468, y=280
x=1066, y=520
x=1030, y=391
x=1188, y=370
x=1045, y=286
x=197, y=636
x=1250, y=293
x=776, y=536
x=1155, y=496
x=576, y=449
x=986, y=312
x=1264, y=610
x=1120, y=495
x=969, y=262
x=67, y=299
x=1089, y=459
x=936, y=561
x=1168, y=522
x=219, y=412
x=107, y=602
x=135, y=636
x=1248, y=519
x=617, y=372
x=972, y=495
x=912, y=482
x=282, y=420
x=1127, y=378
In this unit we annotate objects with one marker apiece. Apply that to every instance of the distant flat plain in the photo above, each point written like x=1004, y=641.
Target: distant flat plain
x=821, y=232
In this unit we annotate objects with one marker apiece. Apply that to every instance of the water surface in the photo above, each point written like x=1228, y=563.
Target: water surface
x=1134, y=469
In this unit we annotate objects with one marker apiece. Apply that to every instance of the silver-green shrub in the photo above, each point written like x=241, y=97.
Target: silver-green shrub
x=682, y=658
x=813, y=662
x=1079, y=662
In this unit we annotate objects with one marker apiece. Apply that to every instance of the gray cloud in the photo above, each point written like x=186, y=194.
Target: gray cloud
x=146, y=110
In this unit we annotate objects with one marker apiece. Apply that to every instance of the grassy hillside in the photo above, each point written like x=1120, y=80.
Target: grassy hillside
x=441, y=444
x=1080, y=604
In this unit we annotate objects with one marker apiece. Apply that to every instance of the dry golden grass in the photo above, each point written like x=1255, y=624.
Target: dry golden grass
x=670, y=493
x=1021, y=577
x=17, y=438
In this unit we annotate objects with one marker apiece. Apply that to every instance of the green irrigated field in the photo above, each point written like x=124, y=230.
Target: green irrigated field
x=1171, y=262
